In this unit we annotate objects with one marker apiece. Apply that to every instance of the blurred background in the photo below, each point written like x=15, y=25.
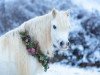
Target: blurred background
x=84, y=50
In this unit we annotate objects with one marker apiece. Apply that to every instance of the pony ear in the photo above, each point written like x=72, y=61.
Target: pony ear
x=54, y=12
x=67, y=12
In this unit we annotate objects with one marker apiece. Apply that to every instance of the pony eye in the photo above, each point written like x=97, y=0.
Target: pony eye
x=54, y=27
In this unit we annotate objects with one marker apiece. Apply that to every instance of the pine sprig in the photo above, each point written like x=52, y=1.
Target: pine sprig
x=34, y=50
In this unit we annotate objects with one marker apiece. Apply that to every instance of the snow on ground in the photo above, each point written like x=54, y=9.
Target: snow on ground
x=57, y=69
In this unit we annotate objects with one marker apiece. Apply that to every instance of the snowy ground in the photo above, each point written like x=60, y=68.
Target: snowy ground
x=57, y=69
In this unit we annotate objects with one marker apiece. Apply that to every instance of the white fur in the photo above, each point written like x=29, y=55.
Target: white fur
x=61, y=33
x=14, y=58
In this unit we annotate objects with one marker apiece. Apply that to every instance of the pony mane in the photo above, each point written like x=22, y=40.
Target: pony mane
x=38, y=28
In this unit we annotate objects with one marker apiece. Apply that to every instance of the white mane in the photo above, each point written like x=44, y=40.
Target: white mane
x=12, y=49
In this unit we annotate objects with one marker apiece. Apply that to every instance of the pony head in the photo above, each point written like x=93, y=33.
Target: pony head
x=60, y=27
x=50, y=29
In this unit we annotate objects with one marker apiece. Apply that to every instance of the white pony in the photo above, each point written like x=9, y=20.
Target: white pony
x=49, y=29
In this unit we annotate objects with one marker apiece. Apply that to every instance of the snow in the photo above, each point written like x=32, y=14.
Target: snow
x=57, y=69
x=89, y=5
x=84, y=35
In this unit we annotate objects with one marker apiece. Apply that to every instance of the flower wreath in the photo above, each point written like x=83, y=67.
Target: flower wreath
x=33, y=49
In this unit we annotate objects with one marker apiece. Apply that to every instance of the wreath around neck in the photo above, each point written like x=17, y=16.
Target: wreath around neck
x=33, y=49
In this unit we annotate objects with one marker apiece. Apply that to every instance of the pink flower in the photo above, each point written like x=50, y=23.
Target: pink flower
x=32, y=51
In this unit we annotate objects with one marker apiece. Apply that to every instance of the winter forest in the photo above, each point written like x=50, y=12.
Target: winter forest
x=83, y=56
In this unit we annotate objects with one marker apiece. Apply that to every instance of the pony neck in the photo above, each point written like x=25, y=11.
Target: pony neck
x=39, y=29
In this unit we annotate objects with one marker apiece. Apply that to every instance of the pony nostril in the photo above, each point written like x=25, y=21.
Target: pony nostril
x=61, y=43
x=68, y=43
